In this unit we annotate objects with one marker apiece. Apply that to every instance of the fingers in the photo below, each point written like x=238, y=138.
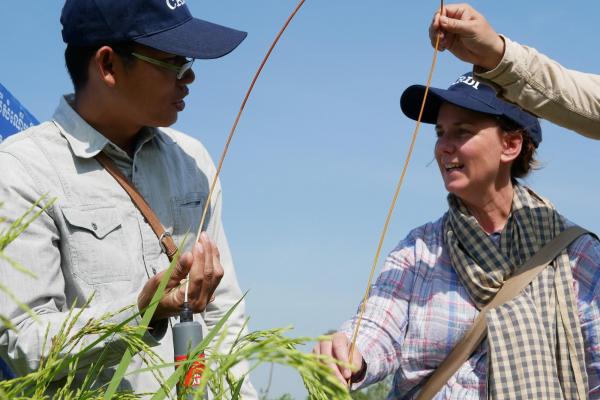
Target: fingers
x=460, y=11
x=338, y=348
x=434, y=31
x=148, y=291
x=457, y=26
x=200, y=270
x=182, y=268
x=325, y=347
x=455, y=19
x=205, y=273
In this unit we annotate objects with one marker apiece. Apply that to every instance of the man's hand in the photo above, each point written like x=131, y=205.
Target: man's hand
x=339, y=348
x=205, y=270
x=467, y=35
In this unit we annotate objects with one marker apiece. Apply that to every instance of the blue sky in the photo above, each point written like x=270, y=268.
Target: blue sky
x=318, y=152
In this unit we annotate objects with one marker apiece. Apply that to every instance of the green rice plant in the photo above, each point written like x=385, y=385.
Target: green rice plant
x=378, y=391
x=273, y=346
x=69, y=354
x=268, y=346
x=7, y=236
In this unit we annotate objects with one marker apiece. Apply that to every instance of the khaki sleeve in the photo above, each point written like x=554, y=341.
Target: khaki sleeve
x=545, y=88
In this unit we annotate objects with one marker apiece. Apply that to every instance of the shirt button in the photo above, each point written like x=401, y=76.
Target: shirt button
x=94, y=226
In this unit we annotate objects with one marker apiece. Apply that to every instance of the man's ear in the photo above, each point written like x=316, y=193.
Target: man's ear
x=104, y=66
x=512, y=142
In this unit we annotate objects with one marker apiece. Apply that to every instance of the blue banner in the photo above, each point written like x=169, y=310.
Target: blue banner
x=13, y=116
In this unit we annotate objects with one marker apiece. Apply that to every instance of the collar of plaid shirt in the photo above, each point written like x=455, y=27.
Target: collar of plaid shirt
x=535, y=342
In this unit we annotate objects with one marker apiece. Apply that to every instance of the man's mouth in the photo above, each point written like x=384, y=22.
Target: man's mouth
x=179, y=105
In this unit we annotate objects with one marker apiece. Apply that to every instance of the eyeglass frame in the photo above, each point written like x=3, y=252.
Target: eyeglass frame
x=180, y=71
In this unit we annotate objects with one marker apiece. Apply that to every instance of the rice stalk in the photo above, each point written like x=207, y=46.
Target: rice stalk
x=73, y=353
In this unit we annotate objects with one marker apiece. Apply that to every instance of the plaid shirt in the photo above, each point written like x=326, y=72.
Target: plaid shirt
x=418, y=311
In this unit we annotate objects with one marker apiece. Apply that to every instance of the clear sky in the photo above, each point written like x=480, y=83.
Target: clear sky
x=318, y=152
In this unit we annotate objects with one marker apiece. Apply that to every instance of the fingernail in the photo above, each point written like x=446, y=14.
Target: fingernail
x=199, y=247
x=204, y=236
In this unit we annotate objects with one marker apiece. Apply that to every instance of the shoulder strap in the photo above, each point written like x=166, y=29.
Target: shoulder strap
x=164, y=237
x=512, y=288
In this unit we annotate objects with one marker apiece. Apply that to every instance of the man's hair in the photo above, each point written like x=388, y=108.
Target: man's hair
x=77, y=60
x=525, y=161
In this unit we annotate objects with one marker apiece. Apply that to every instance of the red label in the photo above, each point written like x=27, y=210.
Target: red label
x=194, y=373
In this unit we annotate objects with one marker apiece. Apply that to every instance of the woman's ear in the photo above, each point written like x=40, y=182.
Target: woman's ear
x=103, y=66
x=512, y=142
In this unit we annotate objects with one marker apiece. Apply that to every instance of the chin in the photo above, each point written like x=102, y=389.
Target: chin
x=164, y=122
x=456, y=189
x=454, y=186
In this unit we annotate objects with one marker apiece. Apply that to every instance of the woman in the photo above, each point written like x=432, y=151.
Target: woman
x=540, y=344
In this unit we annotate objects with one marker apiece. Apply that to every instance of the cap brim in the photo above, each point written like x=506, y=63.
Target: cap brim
x=195, y=39
x=411, y=100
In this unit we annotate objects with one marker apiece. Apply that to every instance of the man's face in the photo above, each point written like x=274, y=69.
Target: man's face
x=152, y=94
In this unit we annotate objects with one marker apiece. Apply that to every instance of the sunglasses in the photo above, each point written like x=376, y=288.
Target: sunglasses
x=180, y=70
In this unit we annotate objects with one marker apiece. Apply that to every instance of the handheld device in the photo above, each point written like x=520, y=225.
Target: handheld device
x=187, y=333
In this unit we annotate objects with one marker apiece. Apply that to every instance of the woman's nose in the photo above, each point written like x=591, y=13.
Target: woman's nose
x=443, y=145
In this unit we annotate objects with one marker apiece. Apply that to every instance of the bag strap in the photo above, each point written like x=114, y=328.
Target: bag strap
x=512, y=288
x=164, y=237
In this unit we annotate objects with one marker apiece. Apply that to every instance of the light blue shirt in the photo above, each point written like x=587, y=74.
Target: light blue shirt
x=94, y=240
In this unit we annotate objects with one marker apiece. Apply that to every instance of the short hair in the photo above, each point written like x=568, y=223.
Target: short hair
x=77, y=60
x=525, y=161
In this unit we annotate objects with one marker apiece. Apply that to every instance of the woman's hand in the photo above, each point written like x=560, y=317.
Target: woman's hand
x=339, y=348
x=467, y=35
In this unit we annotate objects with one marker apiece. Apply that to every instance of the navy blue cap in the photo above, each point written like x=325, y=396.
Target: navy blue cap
x=467, y=92
x=165, y=25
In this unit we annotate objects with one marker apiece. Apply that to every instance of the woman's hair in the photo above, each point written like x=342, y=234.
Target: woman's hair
x=525, y=161
x=77, y=60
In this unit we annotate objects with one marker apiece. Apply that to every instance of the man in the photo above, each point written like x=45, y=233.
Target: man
x=130, y=63
x=519, y=73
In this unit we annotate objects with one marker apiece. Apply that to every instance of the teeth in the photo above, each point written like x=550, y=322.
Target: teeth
x=452, y=165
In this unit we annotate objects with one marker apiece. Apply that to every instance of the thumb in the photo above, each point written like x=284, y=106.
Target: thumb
x=456, y=26
x=182, y=267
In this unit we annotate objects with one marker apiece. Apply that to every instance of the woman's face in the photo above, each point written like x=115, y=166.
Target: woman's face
x=471, y=152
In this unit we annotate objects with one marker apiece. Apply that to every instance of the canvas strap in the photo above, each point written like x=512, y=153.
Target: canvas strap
x=165, y=239
x=512, y=288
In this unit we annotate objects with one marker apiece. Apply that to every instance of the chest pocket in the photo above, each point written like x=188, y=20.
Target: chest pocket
x=96, y=242
x=187, y=210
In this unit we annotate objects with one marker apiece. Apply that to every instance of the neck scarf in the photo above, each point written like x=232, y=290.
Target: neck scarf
x=535, y=344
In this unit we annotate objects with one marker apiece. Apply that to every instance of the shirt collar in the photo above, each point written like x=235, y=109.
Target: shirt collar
x=85, y=141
